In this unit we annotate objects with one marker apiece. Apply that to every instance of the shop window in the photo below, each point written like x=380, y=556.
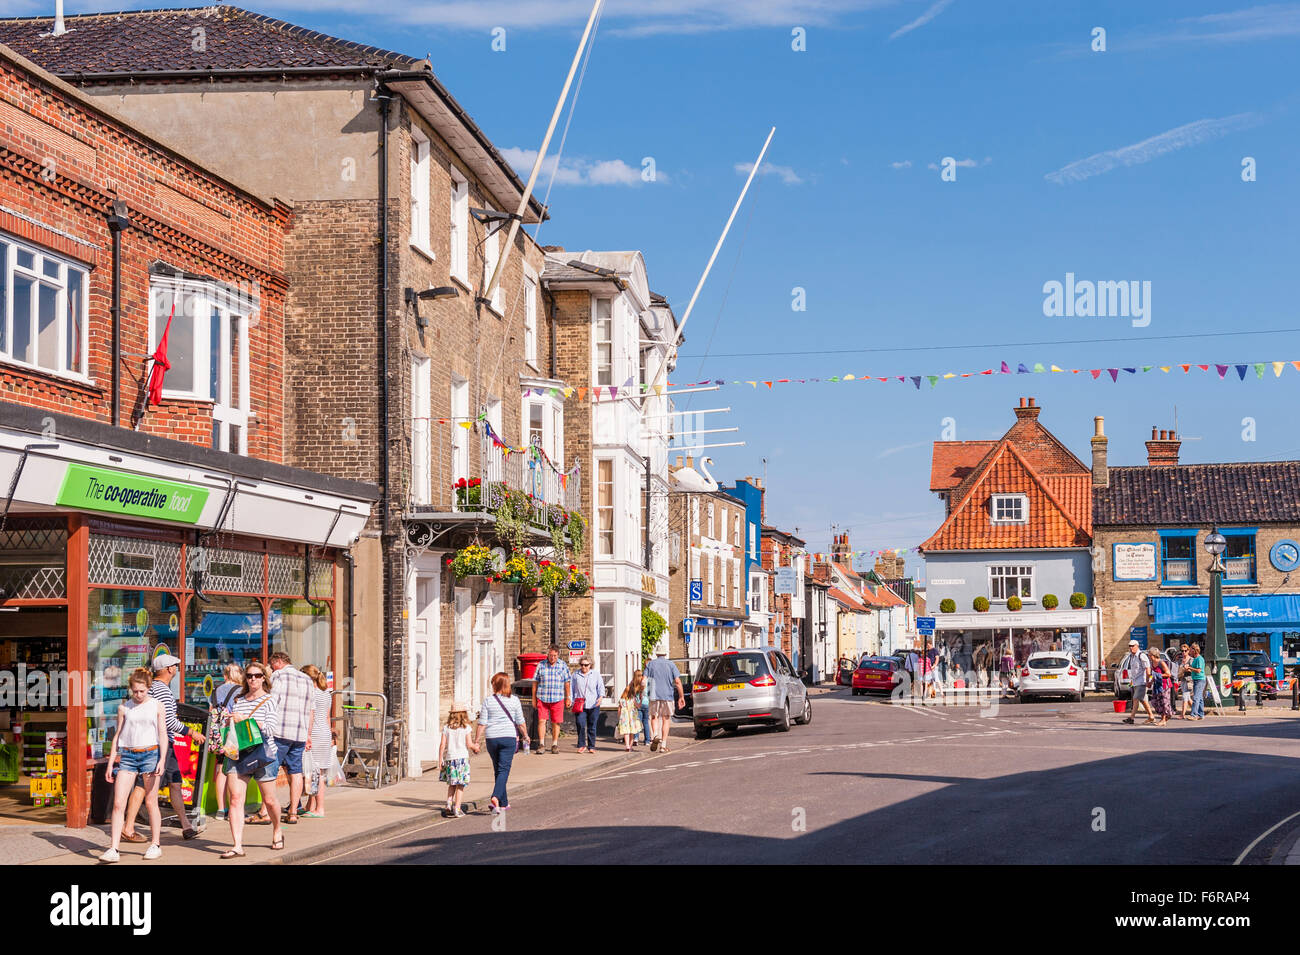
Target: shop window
x=134, y=562
x=124, y=628
x=1177, y=563
x=43, y=302
x=220, y=630
x=302, y=630
x=1239, y=556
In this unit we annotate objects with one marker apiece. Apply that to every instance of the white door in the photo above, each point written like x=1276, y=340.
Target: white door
x=463, y=673
x=423, y=711
x=487, y=626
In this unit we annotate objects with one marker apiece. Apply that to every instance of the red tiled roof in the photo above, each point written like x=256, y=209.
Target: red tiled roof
x=954, y=461
x=847, y=599
x=1052, y=522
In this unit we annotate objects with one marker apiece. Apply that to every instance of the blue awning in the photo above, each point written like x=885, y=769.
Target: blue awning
x=1241, y=614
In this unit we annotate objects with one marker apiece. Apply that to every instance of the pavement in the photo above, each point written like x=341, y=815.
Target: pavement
x=353, y=815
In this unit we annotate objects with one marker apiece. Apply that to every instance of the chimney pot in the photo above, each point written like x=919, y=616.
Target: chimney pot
x=1022, y=402
x=690, y=461
x=1153, y=432
x=1099, y=426
x=1031, y=402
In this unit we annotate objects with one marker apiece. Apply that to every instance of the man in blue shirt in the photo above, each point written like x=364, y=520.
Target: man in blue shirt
x=665, y=682
x=551, y=697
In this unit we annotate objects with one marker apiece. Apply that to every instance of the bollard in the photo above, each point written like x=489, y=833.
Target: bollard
x=1295, y=692
x=1241, y=698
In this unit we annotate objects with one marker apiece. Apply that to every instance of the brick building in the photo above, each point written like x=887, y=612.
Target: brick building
x=395, y=372
x=1150, y=571
x=781, y=559
x=707, y=543
x=129, y=530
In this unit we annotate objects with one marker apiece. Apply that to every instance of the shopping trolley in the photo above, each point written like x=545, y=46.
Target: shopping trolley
x=367, y=734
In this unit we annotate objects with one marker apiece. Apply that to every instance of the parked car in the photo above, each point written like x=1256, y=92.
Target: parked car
x=734, y=688
x=1123, y=681
x=1257, y=666
x=1050, y=673
x=684, y=668
x=877, y=675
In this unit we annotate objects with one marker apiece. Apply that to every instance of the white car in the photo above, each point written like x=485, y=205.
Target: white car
x=1050, y=673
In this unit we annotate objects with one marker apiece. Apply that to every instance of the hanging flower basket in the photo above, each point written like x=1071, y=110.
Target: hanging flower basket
x=472, y=561
x=550, y=578
x=576, y=585
x=520, y=570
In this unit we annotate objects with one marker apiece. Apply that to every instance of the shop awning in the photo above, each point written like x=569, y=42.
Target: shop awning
x=1256, y=613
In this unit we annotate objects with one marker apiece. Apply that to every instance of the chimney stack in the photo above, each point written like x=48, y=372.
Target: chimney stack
x=1162, y=449
x=1027, y=410
x=1100, y=469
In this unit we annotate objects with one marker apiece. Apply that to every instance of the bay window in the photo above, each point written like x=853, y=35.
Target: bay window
x=605, y=507
x=43, y=302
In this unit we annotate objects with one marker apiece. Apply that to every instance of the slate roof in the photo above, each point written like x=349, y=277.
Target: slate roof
x=1238, y=493
x=164, y=41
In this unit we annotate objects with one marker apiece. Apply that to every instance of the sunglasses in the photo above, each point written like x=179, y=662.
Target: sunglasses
x=259, y=676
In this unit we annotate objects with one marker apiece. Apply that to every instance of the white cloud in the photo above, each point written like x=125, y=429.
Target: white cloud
x=578, y=171
x=905, y=164
x=966, y=163
x=1253, y=23
x=902, y=447
x=1192, y=134
x=787, y=174
x=935, y=9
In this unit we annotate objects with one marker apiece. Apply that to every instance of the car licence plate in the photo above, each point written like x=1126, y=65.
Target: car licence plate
x=1047, y=676
x=1245, y=673
x=730, y=686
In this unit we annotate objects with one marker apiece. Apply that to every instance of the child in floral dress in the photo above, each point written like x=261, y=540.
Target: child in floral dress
x=629, y=715
x=453, y=757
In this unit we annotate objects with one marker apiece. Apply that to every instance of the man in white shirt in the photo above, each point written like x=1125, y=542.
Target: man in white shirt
x=1139, y=671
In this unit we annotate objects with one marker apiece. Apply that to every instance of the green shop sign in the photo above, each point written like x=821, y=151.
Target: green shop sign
x=98, y=489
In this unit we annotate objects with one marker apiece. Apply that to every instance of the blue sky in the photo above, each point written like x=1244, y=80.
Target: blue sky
x=1116, y=165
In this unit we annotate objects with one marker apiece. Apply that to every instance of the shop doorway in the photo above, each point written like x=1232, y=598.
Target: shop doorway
x=423, y=683
x=34, y=692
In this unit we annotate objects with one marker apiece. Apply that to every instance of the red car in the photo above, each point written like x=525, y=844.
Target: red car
x=877, y=675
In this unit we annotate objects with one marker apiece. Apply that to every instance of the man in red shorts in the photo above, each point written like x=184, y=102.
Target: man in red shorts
x=552, y=697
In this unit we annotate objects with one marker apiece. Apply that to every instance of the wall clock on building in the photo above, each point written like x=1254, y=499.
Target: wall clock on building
x=1285, y=556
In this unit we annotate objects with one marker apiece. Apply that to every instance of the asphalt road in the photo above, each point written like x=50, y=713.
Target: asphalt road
x=873, y=782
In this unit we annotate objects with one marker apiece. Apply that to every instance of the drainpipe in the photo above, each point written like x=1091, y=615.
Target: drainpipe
x=385, y=538
x=554, y=362
x=351, y=582
x=117, y=222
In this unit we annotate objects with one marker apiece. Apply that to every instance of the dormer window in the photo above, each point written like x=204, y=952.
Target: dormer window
x=1010, y=509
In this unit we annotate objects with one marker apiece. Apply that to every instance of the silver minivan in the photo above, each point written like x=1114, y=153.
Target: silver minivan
x=755, y=685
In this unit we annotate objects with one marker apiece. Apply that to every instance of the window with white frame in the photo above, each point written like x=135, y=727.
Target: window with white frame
x=735, y=583
x=708, y=582
x=604, y=341
x=557, y=437
x=459, y=435
x=722, y=582
x=530, y=321
x=695, y=517
x=605, y=507
x=207, y=348
x=753, y=542
x=711, y=521
x=459, y=265
x=1015, y=580
x=1010, y=509
x=421, y=411
x=535, y=425
x=757, y=596
x=420, y=229
x=43, y=301
x=491, y=256
x=604, y=655
x=735, y=530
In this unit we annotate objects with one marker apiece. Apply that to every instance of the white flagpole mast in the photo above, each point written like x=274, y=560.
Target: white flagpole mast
x=541, y=156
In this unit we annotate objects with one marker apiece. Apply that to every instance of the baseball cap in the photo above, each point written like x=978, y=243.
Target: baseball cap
x=165, y=660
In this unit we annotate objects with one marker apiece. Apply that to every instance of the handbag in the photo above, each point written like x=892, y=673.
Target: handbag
x=519, y=742
x=248, y=734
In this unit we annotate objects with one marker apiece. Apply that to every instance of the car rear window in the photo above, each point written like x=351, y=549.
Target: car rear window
x=1251, y=659
x=733, y=668
x=873, y=664
x=1049, y=663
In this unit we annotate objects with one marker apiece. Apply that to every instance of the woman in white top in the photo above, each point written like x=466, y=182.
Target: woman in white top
x=140, y=742
x=234, y=675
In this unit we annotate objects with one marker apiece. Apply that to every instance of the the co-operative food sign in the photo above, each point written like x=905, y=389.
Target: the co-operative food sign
x=114, y=492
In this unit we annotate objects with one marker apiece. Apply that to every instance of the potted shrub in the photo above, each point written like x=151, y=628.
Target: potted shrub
x=1050, y=602
x=474, y=560
x=981, y=604
x=1014, y=603
x=947, y=605
x=1078, y=601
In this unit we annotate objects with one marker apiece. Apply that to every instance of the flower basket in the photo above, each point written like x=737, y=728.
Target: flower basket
x=520, y=570
x=472, y=561
x=576, y=585
x=469, y=494
x=550, y=578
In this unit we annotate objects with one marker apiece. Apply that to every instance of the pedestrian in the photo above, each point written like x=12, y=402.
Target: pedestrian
x=165, y=668
x=1161, y=686
x=588, y=690
x=259, y=761
x=552, y=697
x=1006, y=670
x=667, y=684
x=642, y=685
x=943, y=665
x=1138, y=667
x=1196, y=672
x=629, y=713
x=322, y=750
x=139, y=743
x=295, y=702
x=453, y=756
x=233, y=675
x=927, y=677
x=1184, y=680
x=501, y=721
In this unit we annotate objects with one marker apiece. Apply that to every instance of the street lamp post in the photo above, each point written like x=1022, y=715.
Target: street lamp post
x=1216, y=634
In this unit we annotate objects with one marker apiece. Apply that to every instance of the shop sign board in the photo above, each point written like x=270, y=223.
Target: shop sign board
x=131, y=495
x=697, y=591
x=785, y=580
x=1139, y=634
x=1133, y=561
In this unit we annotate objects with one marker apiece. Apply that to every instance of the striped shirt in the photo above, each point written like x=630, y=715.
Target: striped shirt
x=267, y=717
x=321, y=740
x=161, y=692
x=295, y=700
x=494, y=717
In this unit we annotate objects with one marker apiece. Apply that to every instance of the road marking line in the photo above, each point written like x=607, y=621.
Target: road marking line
x=1260, y=838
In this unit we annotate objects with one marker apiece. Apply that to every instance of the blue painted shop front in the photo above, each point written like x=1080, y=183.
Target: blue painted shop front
x=1265, y=622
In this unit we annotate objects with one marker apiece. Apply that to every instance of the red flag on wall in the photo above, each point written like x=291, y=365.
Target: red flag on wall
x=160, y=365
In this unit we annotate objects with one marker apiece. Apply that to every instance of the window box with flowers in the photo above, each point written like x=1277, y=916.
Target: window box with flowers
x=475, y=560
x=469, y=493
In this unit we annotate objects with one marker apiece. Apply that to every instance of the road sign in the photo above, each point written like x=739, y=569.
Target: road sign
x=925, y=624
x=688, y=626
x=697, y=592
x=1139, y=634
x=577, y=644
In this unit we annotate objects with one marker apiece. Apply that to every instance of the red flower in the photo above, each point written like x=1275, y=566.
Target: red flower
x=475, y=482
